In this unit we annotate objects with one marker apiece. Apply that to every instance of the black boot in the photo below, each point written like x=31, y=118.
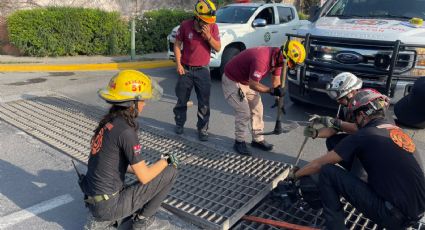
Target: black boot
x=240, y=147
x=178, y=129
x=263, y=145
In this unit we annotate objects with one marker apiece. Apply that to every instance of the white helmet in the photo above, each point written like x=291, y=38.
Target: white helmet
x=343, y=84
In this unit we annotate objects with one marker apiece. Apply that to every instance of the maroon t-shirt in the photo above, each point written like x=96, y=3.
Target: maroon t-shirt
x=253, y=63
x=196, y=50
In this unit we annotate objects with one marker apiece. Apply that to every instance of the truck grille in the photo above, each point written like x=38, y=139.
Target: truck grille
x=361, y=56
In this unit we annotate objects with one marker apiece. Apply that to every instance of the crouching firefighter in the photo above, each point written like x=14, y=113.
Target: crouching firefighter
x=394, y=196
x=115, y=150
x=242, y=87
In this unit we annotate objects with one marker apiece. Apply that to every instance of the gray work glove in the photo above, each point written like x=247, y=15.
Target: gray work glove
x=171, y=159
x=310, y=132
x=327, y=121
x=291, y=175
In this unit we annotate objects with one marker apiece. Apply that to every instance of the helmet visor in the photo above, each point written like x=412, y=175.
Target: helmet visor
x=334, y=94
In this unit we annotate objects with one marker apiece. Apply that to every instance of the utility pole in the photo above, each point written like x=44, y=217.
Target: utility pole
x=133, y=38
x=133, y=34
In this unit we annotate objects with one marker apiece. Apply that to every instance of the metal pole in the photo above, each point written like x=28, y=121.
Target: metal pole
x=133, y=38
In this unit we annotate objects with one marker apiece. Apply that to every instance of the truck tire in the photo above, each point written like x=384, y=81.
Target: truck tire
x=228, y=54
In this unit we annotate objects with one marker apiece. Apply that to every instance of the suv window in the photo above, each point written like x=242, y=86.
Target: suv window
x=267, y=14
x=286, y=14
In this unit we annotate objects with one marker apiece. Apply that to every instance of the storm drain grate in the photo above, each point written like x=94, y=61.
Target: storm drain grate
x=299, y=213
x=214, y=188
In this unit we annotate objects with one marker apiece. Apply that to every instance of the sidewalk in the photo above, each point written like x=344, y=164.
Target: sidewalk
x=82, y=63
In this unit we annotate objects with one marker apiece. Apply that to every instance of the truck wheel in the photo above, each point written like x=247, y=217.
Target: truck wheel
x=228, y=54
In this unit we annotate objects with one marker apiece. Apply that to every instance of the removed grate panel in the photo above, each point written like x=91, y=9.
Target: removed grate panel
x=214, y=188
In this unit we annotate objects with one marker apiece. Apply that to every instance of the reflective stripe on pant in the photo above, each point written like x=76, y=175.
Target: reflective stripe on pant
x=201, y=80
x=248, y=110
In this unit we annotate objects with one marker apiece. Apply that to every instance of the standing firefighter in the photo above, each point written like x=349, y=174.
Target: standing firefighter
x=115, y=150
x=342, y=88
x=394, y=196
x=198, y=36
x=242, y=88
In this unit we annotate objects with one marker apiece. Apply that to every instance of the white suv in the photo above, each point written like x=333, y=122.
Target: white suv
x=248, y=25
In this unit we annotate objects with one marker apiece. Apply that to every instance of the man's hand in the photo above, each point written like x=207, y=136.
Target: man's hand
x=277, y=91
x=180, y=70
x=327, y=121
x=291, y=175
x=206, y=32
x=171, y=159
x=310, y=132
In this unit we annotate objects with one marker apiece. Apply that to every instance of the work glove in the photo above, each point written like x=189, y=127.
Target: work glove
x=171, y=159
x=327, y=121
x=292, y=171
x=310, y=132
x=278, y=92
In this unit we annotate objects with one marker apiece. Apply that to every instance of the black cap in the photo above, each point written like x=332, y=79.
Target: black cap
x=410, y=110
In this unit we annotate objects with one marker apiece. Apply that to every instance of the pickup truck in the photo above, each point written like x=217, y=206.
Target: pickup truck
x=247, y=25
x=380, y=41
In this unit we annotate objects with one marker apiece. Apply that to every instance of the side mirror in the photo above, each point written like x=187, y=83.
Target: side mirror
x=259, y=22
x=313, y=13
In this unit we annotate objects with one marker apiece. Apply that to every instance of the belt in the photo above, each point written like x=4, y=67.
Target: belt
x=193, y=67
x=99, y=198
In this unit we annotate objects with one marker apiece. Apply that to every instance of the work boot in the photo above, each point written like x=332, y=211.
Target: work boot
x=263, y=145
x=92, y=224
x=178, y=129
x=203, y=135
x=142, y=223
x=240, y=147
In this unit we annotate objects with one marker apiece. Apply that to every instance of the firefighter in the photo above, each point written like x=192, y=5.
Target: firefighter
x=394, y=196
x=242, y=88
x=342, y=88
x=410, y=110
x=198, y=36
x=115, y=150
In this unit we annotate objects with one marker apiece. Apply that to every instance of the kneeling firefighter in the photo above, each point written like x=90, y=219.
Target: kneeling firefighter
x=115, y=150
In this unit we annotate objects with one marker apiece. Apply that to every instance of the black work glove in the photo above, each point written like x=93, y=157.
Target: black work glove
x=278, y=92
x=171, y=159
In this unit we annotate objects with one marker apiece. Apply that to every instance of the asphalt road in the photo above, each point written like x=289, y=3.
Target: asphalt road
x=38, y=187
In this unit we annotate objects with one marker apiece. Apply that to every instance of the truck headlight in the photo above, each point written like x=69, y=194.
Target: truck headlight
x=419, y=70
x=420, y=58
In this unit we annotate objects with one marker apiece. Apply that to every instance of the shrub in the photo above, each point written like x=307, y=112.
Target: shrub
x=303, y=16
x=62, y=31
x=154, y=26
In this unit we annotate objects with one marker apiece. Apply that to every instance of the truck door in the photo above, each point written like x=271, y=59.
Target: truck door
x=287, y=24
x=264, y=36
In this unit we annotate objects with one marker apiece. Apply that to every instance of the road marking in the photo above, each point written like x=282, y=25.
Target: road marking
x=14, y=218
x=87, y=67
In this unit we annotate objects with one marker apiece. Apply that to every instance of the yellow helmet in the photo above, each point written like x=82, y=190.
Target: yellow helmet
x=295, y=52
x=130, y=85
x=205, y=10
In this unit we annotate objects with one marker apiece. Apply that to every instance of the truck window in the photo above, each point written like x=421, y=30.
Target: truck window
x=267, y=14
x=387, y=9
x=235, y=14
x=286, y=14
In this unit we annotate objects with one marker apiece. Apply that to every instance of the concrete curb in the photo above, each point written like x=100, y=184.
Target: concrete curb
x=86, y=67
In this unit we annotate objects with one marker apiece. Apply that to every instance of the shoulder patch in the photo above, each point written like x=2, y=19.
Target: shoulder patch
x=402, y=140
x=137, y=149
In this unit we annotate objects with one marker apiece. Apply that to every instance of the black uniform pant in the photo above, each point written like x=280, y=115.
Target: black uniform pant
x=198, y=77
x=354, y=166
x=335, y=182
x=143, y=199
